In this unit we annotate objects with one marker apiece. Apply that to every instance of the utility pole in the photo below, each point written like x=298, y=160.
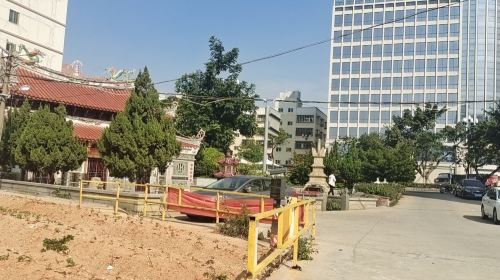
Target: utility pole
x=6, y=73
x=266, y=137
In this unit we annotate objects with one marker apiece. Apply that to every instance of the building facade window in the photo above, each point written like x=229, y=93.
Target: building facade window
x=14, y=17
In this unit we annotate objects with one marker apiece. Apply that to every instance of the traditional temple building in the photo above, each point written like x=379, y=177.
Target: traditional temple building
x=90, y=105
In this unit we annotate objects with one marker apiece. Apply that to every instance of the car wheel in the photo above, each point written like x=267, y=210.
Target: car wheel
x=483, y=215
x=495, y=218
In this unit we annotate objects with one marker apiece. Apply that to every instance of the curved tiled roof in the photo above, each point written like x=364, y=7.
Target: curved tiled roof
x=87, y=131
x=71, y=93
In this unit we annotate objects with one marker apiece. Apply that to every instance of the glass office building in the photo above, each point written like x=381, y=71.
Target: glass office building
x=441, y=51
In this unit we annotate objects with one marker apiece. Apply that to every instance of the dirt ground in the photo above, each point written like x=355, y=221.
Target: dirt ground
x=135, y=248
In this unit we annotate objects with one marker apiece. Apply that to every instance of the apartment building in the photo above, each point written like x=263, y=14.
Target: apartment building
x=304, y=125
x=31, y=25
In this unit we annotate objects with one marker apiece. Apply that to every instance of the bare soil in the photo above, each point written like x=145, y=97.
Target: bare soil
x=135, y=247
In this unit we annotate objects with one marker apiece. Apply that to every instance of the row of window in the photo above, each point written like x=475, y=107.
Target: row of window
x=394, y=99
x=388, y=83
x=379, y=116
x=387, y=4
x=353, y=132
x=407, y=15
x=397, y=33
x=396, y=66
x=389, y=50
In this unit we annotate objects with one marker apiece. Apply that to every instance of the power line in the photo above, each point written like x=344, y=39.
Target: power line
x=333, y=38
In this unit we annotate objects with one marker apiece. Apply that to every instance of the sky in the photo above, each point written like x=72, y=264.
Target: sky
x=171, y=38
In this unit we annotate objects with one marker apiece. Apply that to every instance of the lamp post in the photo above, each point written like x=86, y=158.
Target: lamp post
x=469, y=126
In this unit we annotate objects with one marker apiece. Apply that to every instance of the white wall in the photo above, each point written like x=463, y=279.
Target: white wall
x=42, y=26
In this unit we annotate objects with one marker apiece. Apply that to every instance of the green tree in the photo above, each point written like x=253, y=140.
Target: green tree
x=276, y=140
x=298, y=174
x=141, y=137
x=14, y=126
x=251, y=150
x=207, y=161
x=331, y=160
x=47, y=145
x=417, y=128
x=216, y=101
x=350, y=164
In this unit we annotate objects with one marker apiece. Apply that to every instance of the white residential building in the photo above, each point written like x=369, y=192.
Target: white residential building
x=304, y=125
x=274, y=127
x=36, y=25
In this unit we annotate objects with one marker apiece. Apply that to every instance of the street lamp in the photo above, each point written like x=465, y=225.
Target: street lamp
x=469, y=123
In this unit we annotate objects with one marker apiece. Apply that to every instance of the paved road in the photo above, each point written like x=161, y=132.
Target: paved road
x=426, y=236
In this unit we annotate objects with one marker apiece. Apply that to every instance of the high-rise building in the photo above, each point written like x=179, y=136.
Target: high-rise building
x=33, y=25
x=304, y=125
x=379, y=67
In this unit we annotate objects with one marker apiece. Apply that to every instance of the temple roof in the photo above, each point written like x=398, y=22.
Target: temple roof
x=88, y=132
x=104, y=96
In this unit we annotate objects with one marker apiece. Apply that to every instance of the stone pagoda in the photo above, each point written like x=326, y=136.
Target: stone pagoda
x=317, y=176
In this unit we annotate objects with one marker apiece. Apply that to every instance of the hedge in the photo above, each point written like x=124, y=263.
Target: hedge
x=392, y=190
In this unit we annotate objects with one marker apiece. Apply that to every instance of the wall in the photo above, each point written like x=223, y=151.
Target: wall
x=134, y=200
x=42, y=26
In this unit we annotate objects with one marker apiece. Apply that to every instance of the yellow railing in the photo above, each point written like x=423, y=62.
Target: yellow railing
x=163, y=201
x=289, y=231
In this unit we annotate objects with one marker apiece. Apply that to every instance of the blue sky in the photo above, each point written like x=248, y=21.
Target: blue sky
x=171, y=38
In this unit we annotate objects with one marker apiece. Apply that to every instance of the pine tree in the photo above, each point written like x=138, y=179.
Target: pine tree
x=14, y=125
x=47, y=145
x=141, y=137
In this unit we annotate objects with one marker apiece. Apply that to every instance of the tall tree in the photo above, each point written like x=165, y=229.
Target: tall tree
x=298, y=174
x=14, y=126
x=216, y=101
x=141, y=137
x=251, y=150
x=277, y=140
x=417, y=128
x=47, y=145
x=350, y=164
x=206, y=163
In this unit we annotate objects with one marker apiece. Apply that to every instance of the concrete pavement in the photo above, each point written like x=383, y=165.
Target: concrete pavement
x=426, y=236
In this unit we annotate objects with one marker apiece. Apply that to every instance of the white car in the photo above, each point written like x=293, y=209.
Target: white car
x=490, y=206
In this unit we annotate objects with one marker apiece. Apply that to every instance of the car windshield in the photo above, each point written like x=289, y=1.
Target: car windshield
x=228, y=184
x=473, y=183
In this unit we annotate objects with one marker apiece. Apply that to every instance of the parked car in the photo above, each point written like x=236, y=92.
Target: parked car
x=203, y=202
x=472, y=188
x=242, y=184
x=443, y=181
x=491, y=204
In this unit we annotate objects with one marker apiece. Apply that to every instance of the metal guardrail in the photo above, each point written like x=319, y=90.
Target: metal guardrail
x=163, y=201
x=289, y=231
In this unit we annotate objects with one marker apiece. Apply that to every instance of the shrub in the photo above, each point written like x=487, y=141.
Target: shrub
x=393, y=191
x=306, y=248
x=333, y=204
x=236, y=225
x=58, y=245
x=61, y=194
x=421, y=185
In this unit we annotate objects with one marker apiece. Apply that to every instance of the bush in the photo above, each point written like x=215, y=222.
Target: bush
x=58, y=245
x=333, y=204
x=306, y=248
x=393, y=191
x=206, y=163
x=421, y=185
x=236, y=225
